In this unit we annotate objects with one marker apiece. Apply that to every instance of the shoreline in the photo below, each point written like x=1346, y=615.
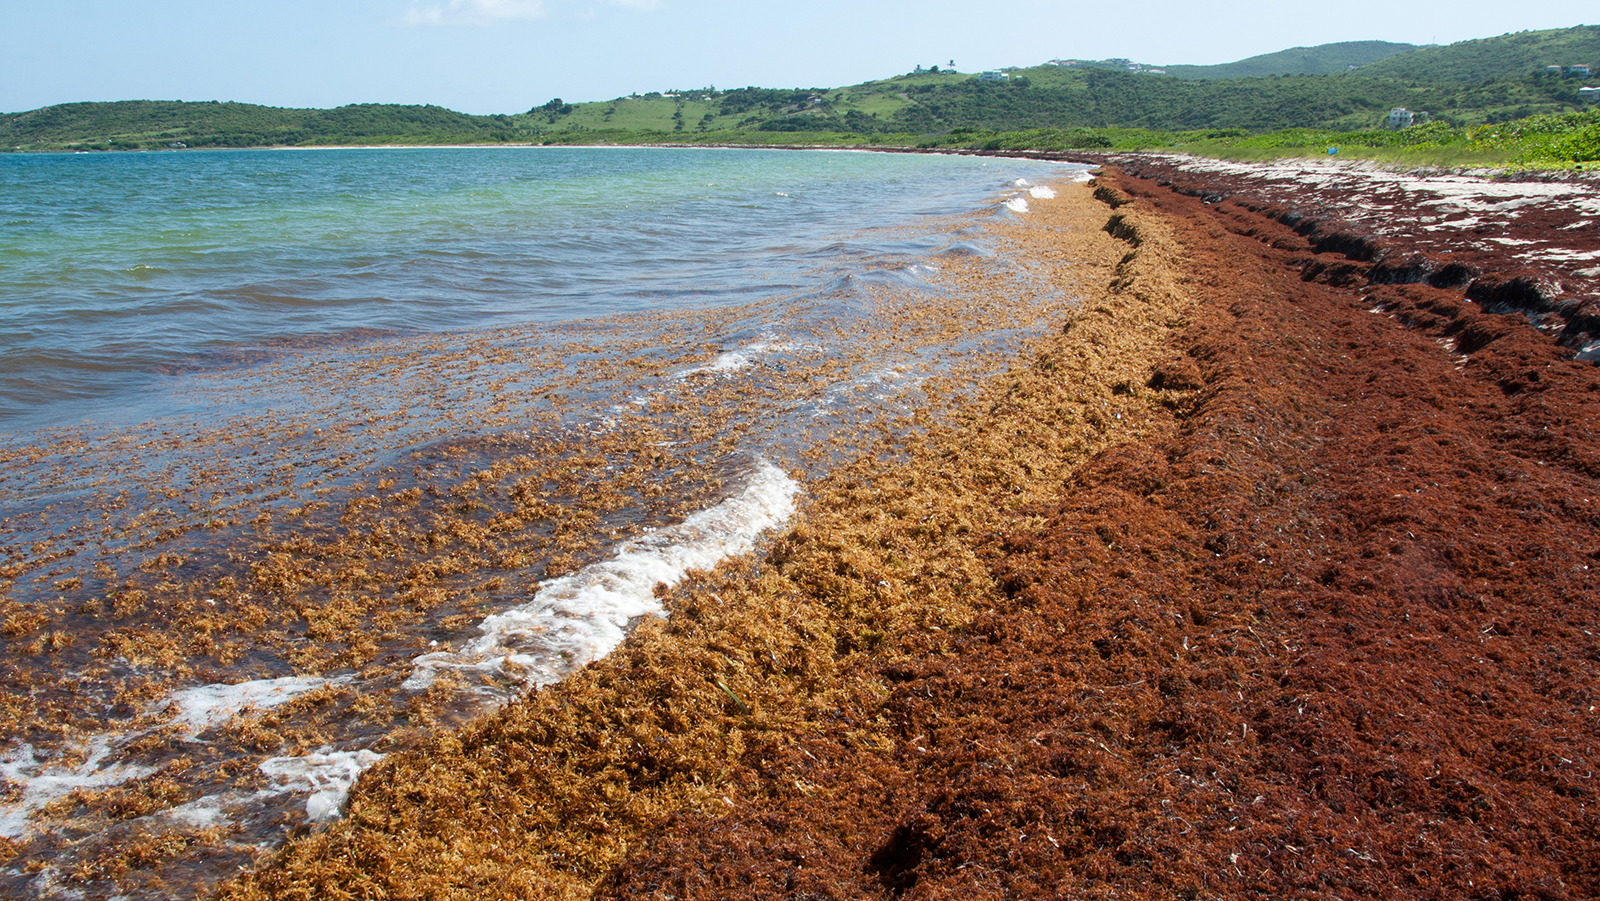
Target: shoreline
x=1088, y=157
x=254, y=598
x=758, y=651
x=1266, y=576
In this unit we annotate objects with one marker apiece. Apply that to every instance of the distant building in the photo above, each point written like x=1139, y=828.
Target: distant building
x=991, y=76
x=1400, y=117
x=1552, y=70
x=1577, y=71
x=1589, y=95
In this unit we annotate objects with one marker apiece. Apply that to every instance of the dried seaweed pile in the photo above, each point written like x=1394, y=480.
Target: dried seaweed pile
x=761, y=663
x=1258, y=581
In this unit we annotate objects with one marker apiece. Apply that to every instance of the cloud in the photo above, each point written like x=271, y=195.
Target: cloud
x=475, y=12
x=492, y=12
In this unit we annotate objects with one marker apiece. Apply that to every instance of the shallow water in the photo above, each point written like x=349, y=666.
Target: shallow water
x=115, y=268
x=383, y=437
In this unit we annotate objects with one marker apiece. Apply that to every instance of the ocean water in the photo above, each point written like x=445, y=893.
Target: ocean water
x=303, y=453
x=117, y=268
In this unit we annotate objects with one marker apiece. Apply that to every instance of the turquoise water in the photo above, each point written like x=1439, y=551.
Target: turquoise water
x=119, y=269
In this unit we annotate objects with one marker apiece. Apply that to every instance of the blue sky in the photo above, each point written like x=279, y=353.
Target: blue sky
x=504, y=56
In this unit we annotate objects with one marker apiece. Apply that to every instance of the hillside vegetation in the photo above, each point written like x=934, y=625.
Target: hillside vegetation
x=1490, y=59
x=1462, y=87
x=152, y=124
x=1324, y=59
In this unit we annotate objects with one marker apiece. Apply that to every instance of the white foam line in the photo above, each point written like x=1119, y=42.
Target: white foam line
x=44, y=781
x=581, y=617
x=734, y=360
x=1043, y=192
x=207, y=706
x=207, y=812
x=327, y=775
x=197, y=709
x=1017, y=204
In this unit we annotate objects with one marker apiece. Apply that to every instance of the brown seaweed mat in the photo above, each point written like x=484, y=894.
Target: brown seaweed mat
x=1245, y=585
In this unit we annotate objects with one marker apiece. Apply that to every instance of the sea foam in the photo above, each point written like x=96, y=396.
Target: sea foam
x=207, y=706
x=327, y=775
x=734, y=360
x=581, y=617
x=44, y=780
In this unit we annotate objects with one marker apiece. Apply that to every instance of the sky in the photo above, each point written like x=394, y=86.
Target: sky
x=506, y=56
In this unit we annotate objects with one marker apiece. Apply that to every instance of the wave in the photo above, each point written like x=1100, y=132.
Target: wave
x=580, y=617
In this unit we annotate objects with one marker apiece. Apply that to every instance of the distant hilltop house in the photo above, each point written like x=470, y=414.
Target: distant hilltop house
x=991, y=75
x=1400, y=117
x=1553, y=70
x=1577, y=71
x=1589, y=95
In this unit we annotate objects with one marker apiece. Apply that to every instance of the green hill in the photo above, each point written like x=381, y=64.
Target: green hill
x=1489, y=59
x=134, y=124
x=1324, y=59
x=1472, y=83
x=1305, y=87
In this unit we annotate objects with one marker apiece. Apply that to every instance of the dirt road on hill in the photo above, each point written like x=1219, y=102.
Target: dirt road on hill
x=1265, y=579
